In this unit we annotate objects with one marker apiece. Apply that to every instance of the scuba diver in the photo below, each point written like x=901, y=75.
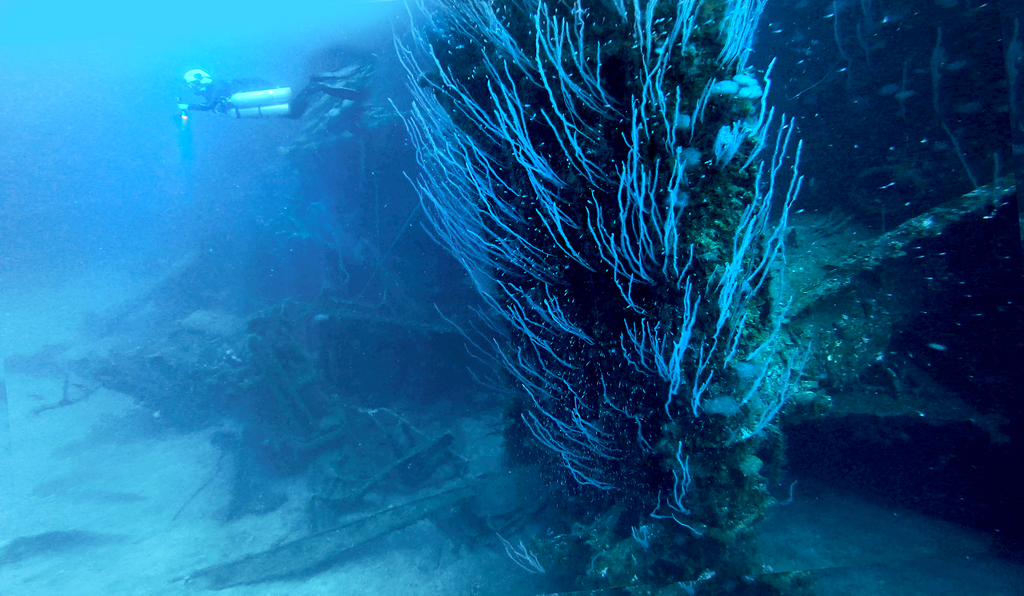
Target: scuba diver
x=256, y=98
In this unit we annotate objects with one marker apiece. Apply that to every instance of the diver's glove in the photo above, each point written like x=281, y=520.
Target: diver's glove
x=181, y=106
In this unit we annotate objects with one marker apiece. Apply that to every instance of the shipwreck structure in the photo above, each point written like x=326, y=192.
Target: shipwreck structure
x=614, y=181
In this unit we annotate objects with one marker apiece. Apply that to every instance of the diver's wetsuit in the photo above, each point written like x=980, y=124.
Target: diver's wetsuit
x=217, y=96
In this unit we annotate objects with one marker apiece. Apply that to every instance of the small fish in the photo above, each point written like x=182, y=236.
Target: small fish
x=53, y=543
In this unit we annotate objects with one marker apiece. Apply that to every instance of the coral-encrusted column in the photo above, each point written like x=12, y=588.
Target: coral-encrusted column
x=605, y=171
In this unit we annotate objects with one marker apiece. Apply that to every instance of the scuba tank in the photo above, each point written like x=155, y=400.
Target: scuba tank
x=260, y=104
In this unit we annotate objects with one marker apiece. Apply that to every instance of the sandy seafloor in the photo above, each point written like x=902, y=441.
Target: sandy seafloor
x=103, y=468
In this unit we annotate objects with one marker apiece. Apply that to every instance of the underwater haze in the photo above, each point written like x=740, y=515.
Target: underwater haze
x=511, y=297
x=94, y=165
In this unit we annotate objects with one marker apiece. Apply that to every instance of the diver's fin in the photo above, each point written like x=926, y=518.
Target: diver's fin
x=341, y=92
